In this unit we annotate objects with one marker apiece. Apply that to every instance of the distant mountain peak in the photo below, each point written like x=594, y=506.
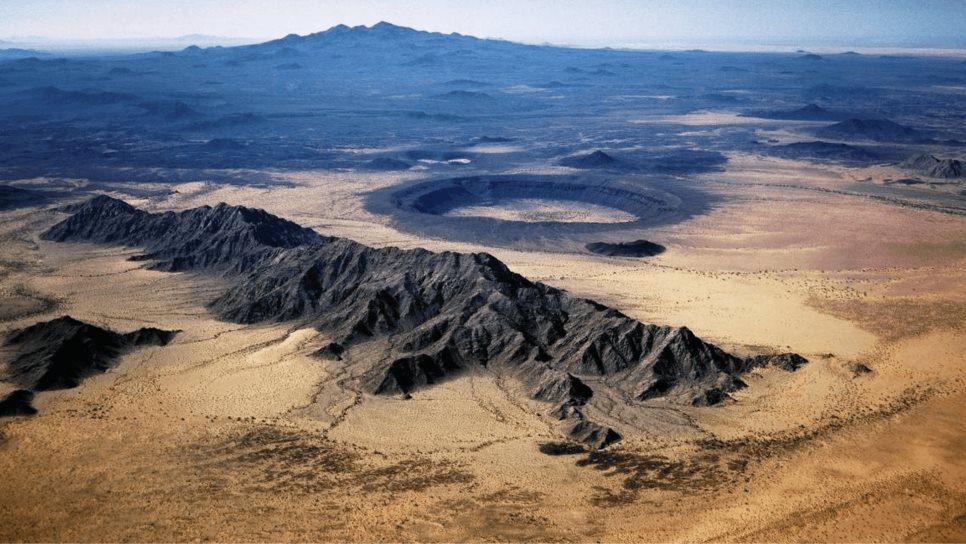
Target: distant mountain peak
x=597, y=159
x=385, y=25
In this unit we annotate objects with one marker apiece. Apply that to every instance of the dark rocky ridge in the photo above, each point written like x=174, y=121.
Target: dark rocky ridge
x=15, y=197
x=60, y=353
x=638, y=248
x=810, y=112
x=18, y=403
x=823, y=150
x=597, y=159
x=232, y=237
x=878, y=130
x=431, y=315
x=929, y=165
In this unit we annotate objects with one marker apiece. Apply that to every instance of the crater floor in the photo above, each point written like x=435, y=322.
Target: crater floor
x=536, y=210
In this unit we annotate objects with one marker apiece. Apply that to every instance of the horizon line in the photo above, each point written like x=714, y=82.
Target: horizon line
x=723, y=45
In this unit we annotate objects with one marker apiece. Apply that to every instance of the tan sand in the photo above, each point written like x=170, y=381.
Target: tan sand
x=238, y=433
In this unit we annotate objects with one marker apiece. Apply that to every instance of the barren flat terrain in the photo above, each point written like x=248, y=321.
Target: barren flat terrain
x=236, y=432
x=255, y=427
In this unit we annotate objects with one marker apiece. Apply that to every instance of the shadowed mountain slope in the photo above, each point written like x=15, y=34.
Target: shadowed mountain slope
x=60, y=353
x=597, y=159
x=931, y=166
x=810, y=112
x=877, y=130
x=223, y=236
x=420, y=316
x=637, y=248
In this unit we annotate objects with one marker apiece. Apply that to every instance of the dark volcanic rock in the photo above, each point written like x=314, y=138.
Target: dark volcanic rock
x=461, y=95
x=823, y=150
x=385, y=164
x=332, y=351
x=878, y=130
x=54, y=96
x=18, y=403
x=592, y=434
x=561, y=448
x=565, y=386
x=639, y=248
x=200, y=238
x=58, y=354
x=434, y=314
x=810, y=112
x=928, y=165
x=15, y=197
x=785, y=361
x=858, y=369
x=597, y=159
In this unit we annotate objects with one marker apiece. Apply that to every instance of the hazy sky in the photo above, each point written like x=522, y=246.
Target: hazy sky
x=932, y=23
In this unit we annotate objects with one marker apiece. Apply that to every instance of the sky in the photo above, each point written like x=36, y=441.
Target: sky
x=618, y=23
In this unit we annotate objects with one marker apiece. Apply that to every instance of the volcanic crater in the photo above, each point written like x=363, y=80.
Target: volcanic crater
x=529, y=210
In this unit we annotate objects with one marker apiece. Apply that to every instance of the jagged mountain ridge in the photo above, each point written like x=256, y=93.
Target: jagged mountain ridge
x=878, y=130
x=199, y=238
x=932, y=166
x=60, y=353
x=432, y=315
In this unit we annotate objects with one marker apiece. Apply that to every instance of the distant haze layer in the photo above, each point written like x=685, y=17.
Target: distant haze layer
x=615, y=23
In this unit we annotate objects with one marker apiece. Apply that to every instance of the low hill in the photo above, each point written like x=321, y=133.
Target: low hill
x=638, y=248
x=597, y=159
x=929, y=165
x=823, y=150
x=810, y=112
x=877, y=130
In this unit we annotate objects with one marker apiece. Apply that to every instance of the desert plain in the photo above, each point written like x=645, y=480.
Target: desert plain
x=240, y=432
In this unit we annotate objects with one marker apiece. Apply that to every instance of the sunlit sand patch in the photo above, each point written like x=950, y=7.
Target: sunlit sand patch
x=494, y=149
x=532, y=210
x=703, y=118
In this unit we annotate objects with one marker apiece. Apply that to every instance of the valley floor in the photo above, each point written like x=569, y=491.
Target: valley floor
x=237, y=433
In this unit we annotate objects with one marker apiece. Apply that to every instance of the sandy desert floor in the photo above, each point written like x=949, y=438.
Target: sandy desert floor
x=237, y=433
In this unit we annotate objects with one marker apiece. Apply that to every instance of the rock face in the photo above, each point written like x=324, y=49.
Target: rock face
x=928, y=165
x=200, y=238
x=60, y=353
x=638, y=248
x=18, y=403
x=430, y=315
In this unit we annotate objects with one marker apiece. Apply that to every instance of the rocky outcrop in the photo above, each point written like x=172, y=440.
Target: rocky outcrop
x=18, y=403
x=929, y=165
x=60, y=353
x=232, y=237
x=637, y=248
x=823, y=150
x=878, y=130
x=597, y=159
